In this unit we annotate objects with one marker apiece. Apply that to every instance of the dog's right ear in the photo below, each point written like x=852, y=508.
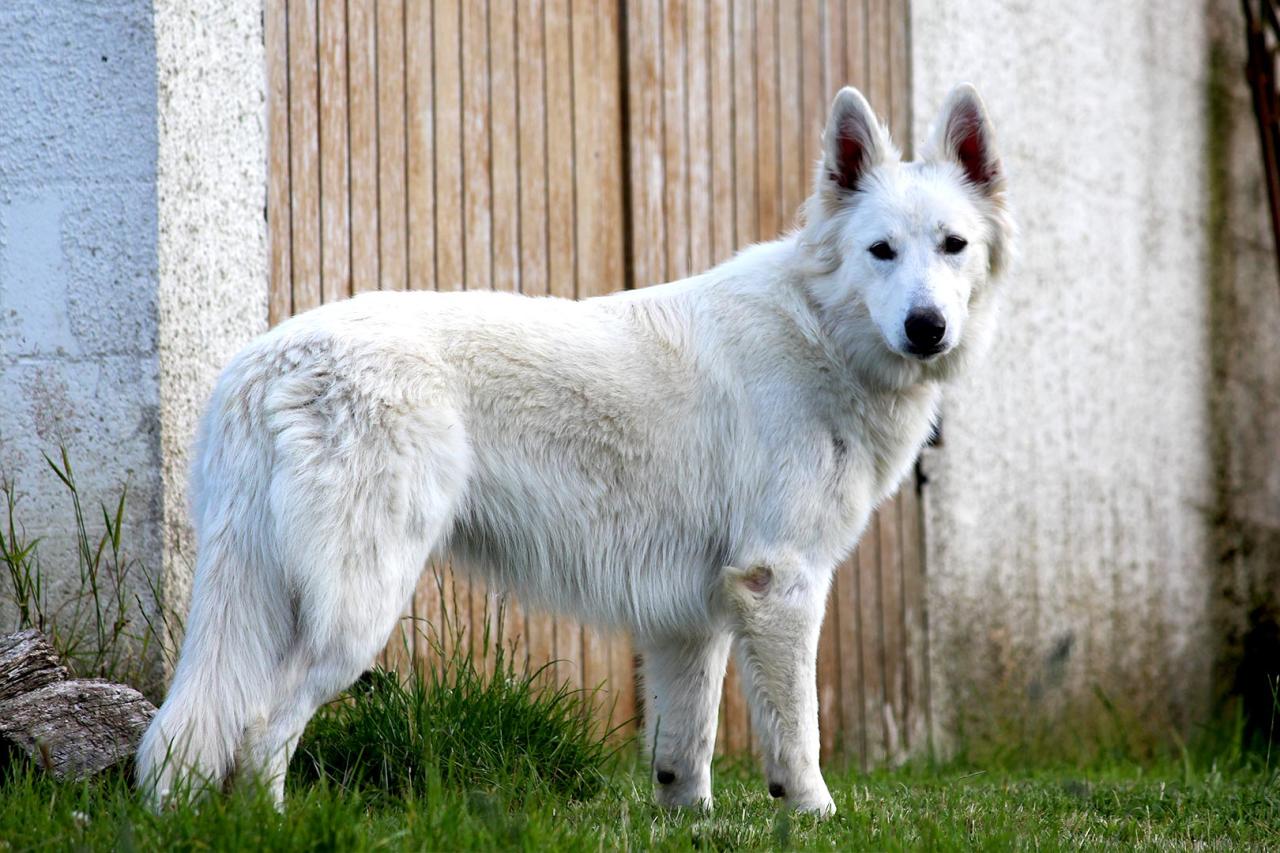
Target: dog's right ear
x=854, y=143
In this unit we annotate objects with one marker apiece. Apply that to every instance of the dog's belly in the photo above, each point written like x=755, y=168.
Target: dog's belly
x=599, y=558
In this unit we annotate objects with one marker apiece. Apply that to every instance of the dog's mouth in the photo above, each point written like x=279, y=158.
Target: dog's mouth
x=927, y=354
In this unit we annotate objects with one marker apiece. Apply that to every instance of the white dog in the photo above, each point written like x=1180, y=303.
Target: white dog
x=688, y=462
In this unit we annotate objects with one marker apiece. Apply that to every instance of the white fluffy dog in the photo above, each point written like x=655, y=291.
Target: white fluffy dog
x=687, y=462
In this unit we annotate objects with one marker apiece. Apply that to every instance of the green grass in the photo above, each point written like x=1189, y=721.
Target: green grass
x=457, y=758
x=915, y=808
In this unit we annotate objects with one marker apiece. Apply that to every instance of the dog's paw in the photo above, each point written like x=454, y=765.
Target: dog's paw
x=819, y=804
x=674, y=793
x=683, y=802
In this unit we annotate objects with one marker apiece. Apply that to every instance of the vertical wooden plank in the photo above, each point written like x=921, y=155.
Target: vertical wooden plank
x=561, y=207
x=829, y=720
x=644, y=73
x=768, y=175
x=476, y=180
x=531, y=90
x=790, y=116
x=835, y=55
x=362, y=108
x=562, y=229
x=419, y=100
x=698, y=117
x=477, y=234
x=899, y=61
x=393, y=209
x=455, y=610
x=722, y=85
x=304, y=159
x=279, y=209
x=871, y=629
x=735, y=726
x=335, y=262
x=675, y=143
x=598, y=240
x=597, y=680
x=877, y=50
x=746, y=218
x=816, y=74
x=507, y=616
x=855, y=42
x=597, y=148
x=392, y=202
x=891, y=621
x=504, y=146
x=915, y=628
x=426, y=611
x=853, y=729
x=420, y=103
x=611, y=270
x=450, y=261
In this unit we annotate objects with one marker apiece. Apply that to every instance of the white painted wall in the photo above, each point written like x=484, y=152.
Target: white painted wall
x=1069, y=509
x=78, y=265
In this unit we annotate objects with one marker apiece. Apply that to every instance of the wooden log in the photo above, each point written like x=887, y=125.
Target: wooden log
x=27, y=662
x=72, y=728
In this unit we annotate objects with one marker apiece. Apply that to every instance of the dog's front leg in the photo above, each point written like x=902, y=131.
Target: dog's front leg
x=682, y=679
x=778, y=608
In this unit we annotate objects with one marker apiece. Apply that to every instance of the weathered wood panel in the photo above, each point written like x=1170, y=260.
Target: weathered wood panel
x=727, y=103
x=573, y=147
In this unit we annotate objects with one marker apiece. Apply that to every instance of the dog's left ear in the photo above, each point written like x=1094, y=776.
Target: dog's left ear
x=963, y=135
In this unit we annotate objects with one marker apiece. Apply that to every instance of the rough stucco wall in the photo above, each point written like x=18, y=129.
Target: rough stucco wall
x=1245, y=396
x=78, y=270
x=1069, y=509
x=213, y=264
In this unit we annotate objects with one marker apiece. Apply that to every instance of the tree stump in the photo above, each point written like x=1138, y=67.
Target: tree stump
x=71, y=727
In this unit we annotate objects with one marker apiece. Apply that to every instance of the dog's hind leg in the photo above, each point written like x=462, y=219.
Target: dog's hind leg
x=682, y=679
x=337, y=640
x=777, y=608
x=360, y=535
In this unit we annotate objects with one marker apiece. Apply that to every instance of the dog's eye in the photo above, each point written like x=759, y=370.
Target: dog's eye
x=954, y=245
x=882, y=251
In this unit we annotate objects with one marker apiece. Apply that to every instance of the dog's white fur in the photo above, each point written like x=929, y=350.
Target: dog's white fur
x=688, y=462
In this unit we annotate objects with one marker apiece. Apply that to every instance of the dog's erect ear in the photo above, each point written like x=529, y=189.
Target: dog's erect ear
x=962, y=134
x=853, y=142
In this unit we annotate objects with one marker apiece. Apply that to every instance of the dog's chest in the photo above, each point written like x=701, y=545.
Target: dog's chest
x=858, y=457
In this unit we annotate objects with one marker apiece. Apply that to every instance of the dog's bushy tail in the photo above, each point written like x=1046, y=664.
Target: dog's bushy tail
x=222, y=684
x=240, y=620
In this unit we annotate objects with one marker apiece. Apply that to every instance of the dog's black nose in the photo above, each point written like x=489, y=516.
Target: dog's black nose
x=925, y=329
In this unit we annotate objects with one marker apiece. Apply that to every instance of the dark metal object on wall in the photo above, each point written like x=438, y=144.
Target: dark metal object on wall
x=1262, y=34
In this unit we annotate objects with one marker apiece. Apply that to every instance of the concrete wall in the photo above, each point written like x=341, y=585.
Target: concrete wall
x=1070, y=509
x=212, y=198
x=132, y=254
x=78, y=323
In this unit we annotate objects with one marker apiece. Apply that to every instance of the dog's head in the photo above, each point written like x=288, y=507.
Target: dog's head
x=909, y=248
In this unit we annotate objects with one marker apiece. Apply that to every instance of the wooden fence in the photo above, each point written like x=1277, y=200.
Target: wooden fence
x=574, y=147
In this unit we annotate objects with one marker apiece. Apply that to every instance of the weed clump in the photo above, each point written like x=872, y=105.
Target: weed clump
x=477, y=722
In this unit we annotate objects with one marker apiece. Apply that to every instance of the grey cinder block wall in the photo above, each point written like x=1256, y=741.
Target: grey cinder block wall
x=132, y=254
